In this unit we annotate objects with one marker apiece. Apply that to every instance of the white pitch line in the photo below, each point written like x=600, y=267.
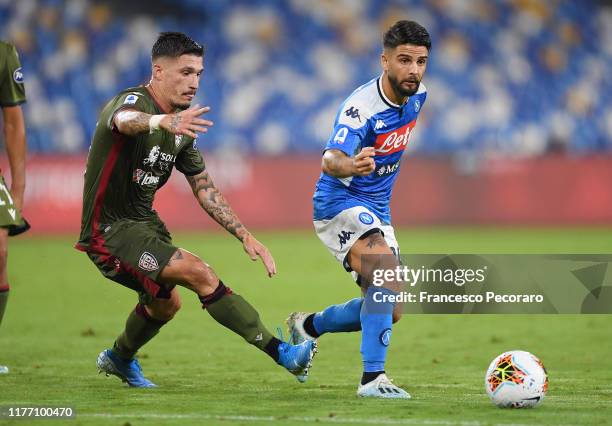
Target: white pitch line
x=374, y=421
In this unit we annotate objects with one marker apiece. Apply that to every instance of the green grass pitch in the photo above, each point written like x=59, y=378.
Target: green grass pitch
x=62, y=313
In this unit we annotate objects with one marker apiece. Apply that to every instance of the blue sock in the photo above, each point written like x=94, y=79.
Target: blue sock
x=339, y=318
x=376, y=321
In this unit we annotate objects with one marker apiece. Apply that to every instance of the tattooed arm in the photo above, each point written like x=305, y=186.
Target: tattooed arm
x=131, y=122
x=214, y=203
x=336, y=163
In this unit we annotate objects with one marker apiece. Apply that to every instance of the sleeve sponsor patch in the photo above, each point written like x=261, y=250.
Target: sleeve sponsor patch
x=130, y=99
x=18, y=76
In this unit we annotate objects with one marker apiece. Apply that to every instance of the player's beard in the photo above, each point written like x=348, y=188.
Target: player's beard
x=398, y=89
x=181, y=106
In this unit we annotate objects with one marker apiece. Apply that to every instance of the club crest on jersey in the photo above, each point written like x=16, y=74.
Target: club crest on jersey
x=178, y=139
x=148, y=262
x=152, y=158
x=366, y=218
x=18, y=76
x=394, y=141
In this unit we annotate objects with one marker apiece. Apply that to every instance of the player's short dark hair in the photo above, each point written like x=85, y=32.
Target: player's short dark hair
x=406, y=32
x=175, y=44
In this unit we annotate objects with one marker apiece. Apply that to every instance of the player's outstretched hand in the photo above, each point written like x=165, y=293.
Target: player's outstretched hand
x=187, y=122
x=363, y=163
x=254, y=249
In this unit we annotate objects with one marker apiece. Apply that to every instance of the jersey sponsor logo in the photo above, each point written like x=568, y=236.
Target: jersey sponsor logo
x=137, y=175
x=166, y=161
x=380, y=124
x=366, y=218
x=394, y=141
x=166, y=157
x=385, y=337
x=130, y=99
x=386, y=169
x=343, y=237
x=417, y=105
x=153, y=155
x=18, y=76
x=144, y=178
x=353, y=113
x=148, y=262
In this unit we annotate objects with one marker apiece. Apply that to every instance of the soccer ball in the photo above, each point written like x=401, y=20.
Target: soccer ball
x=516, y=379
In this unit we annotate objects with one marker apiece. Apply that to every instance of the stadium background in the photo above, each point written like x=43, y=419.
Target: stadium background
x=516, y=135
x=517, y=128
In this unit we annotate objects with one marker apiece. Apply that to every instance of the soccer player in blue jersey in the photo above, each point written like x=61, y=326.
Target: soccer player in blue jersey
x=351, y=201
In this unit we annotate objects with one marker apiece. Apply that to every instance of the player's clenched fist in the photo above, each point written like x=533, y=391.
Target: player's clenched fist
x=187, y=122
x=363, y=162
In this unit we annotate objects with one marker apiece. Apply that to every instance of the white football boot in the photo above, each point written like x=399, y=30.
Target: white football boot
x=382, y=387
x=295, y=327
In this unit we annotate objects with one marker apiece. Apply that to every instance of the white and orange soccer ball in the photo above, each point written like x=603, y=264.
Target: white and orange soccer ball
x=516, y=379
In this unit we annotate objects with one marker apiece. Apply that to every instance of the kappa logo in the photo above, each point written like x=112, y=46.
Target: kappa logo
x=259, y=337
x=353, y=113
x=148, y=262
x=379, y=124
x=18, y=76
x=152, y=158
x=344, y=236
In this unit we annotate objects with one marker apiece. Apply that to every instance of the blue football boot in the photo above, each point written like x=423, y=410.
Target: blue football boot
x=129, y=372
x=297, y=359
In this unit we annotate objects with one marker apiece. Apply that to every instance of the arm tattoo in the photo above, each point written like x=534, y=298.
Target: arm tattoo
x=176, y=256
x=132, y=122
x=176, y=119
x=214, y=203
x=337, y=163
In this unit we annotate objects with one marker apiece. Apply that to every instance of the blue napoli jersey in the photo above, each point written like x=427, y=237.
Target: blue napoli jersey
x=367, y=118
